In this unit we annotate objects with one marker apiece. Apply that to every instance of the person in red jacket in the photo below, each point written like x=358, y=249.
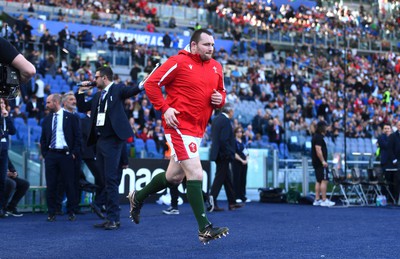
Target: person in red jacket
x=194, y=86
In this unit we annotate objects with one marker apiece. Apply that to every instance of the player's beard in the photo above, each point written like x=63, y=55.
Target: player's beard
x=204, y=56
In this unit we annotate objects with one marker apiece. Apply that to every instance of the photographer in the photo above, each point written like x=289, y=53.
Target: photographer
x=6, y=128
x=10, y=56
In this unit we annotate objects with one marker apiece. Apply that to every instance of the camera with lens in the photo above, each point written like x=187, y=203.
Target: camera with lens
x=9, y=82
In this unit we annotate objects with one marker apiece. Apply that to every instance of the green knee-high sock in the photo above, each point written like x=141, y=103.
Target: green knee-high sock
x=156, y=184
x=195, y=198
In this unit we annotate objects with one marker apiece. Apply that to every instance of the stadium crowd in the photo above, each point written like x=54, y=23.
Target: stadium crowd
x=295, y=88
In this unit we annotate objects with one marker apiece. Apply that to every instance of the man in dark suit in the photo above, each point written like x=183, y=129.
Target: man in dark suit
x=223, y=152
x=383, y=143
x=385, y=157
x=89, y=158
x=109, y=130
x=60, y=144
x=394, y=153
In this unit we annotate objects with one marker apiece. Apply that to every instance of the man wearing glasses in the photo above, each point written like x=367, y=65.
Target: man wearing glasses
x=109, y=130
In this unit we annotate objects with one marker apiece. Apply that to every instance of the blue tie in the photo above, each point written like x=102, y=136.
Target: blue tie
x=103, y=93
x=54, y=132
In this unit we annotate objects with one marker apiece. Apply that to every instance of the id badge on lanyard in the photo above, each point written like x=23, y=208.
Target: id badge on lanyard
x=101, y=116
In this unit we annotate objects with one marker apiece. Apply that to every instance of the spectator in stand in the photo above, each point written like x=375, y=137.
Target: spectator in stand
x=145, y=115
x=135, y=70
x=76, y=63
x=39, y=91
x=248, y=135
x=135, y=127
x=145, y=134
x=167, y=40
x=258, y=121
x=227, y=35
x=235, y=48
x=159, y=138
x=111, y=42
x=175, y=40
x=63, y=36
x=150, y=27
x=51, y=65
x=17, y=113
x=32, y=108
x=30, y=8
x=149, y=67
x=324, y=111
x=276, y=131
x=232, y=97
x=260, y=49
x=172, y=22
x=48, y=42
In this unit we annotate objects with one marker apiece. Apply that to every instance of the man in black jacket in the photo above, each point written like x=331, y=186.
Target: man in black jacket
x=223, y=152
x=393, y=178
x=60, y=145
x=109, y=129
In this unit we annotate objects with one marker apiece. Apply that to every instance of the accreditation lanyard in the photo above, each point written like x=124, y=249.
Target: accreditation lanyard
x=101, y=116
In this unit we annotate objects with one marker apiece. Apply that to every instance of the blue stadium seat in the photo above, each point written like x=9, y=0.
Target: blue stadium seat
x=23, y=107
x=65, y=88
x=36, y=132
x=18, y=121
x=139, y=147
x=32, y=122
x=151, y=148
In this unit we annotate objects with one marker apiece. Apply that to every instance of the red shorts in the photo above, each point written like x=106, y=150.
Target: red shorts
x=182, y=146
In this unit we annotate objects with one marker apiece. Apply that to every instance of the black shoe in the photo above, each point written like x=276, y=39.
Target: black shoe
x=14, y=212
x=71, y=217
x=210, y=233
x=3, y=214
x=51, y=218
x=218, y=209
x=135, y=207
x=105, y=223
x=101, y=225
x=97, y=210
x=235, y=206
x=112, y=225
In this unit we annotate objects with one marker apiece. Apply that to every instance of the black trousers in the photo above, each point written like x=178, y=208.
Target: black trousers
x=59, y=165
x=393, y=180
x=3, y=171
x=61, y=188
x=239, y=171
x=100, y=198
x=108, y=154
x=15, y=188
x=223, y=177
